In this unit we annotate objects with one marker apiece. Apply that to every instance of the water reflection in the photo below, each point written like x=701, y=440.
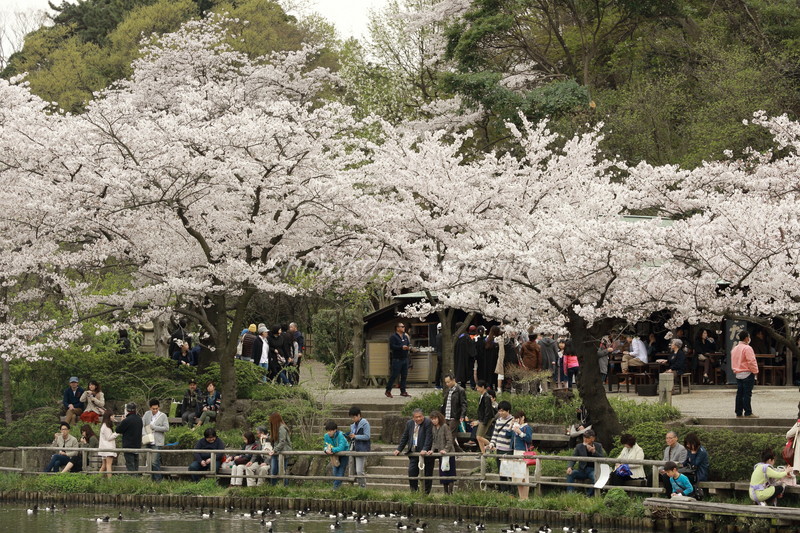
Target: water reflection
x=14, y=519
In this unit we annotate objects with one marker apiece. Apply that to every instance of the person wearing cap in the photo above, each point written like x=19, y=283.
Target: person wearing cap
x=73, y=406
x=191, y=404
x=260, y=353
x=248, y=339
x=131, y=430
x=584, y=469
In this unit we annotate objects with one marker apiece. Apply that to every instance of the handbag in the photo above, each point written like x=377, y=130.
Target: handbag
x=444, y=464
x=148, y=437
x=788, y=452
x=528, y=453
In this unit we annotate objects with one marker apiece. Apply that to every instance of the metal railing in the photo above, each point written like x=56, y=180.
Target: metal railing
x=482, y=477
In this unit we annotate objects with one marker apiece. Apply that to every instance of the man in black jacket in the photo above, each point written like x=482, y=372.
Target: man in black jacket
x=584, y=469
x=454, y=406
x=418, y=437
x=131, y=430
x=486, y=413
x=399, y=354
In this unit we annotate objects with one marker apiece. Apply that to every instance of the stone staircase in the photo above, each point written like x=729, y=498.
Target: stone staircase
x=395, y=468
x=747, y=425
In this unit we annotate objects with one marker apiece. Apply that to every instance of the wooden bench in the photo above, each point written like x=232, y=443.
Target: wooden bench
x=777, y=515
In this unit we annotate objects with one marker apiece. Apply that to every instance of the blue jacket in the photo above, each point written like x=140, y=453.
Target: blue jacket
x=699, y=461
x=521, y=442
x=682, y=485
x=73, y=398
x=338, y=442
x=362, y=436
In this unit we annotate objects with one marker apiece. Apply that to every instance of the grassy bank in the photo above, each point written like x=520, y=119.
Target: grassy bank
x=615, y=504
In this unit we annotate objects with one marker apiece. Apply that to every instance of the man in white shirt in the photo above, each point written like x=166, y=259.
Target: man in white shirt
x=637, y=356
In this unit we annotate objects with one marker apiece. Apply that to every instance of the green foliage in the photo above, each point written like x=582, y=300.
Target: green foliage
x=132, y=377
x=650, y=436
x=35, y=428
x=248, y=377
x=732, y=455
x=76, y=483
x=617, y=502
x=631, y=413
x=185, y=436
x=332, y=340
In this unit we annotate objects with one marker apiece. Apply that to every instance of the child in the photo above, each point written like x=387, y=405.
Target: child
x=762, y=490
x=681, y=486
x=336, y=442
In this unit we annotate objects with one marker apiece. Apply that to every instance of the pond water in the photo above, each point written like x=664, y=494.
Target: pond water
x=82, y=519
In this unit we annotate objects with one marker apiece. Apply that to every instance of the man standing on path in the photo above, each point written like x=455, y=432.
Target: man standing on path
x=131, y=430
x=360, y=439
x=454, y=406
x=418, y=437
x=399, y=348
x=745, y=367
x=155, y=422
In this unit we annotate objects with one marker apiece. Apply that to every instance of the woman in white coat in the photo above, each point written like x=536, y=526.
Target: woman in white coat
x=108, y=441
x=630, y=450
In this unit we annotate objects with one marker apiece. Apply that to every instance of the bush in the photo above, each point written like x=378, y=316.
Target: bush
x=249, y=377
x=185, y=437
x=732, y=455
x=33, y=429
x=73, y=483
x=617, y=502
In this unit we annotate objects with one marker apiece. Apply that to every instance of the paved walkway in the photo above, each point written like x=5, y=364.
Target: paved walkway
x=710, y=402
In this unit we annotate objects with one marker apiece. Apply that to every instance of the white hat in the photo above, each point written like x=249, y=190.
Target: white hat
x=439, y=325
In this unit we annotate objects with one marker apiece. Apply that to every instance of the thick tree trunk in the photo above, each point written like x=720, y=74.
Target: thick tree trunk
x=446, y=319
x=586, y=341
x=224, y=339
x=161, y=334
x=357, y=346
x=7, y=398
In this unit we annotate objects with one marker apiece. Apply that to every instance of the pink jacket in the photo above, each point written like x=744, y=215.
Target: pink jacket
x=743, y=359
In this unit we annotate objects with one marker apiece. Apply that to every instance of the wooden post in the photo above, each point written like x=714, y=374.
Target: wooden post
x=24, y=461
x=537, y=477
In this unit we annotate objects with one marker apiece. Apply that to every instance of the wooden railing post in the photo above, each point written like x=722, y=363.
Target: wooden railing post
x=537, y=477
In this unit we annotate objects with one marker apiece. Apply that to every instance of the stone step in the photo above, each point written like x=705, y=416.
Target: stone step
x=781, y=430
x=370, y=414
x=744, y=421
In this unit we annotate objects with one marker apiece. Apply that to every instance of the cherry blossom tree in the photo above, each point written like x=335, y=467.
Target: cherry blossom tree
x=537, y=236
x=735, y=239
x=211, y=176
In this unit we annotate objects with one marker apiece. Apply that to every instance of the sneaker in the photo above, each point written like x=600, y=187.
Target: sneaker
x=389, y=394
x=407, y=395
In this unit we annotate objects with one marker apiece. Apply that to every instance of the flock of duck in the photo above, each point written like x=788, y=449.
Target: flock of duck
x=268, y=518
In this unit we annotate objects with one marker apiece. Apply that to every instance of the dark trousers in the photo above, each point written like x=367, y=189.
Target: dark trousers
x=744, y=392
x=399, y=369
x=413, y=473
x=131, y=462
x=453, y=424
x=579, y=475
x=197, y=467
x=57, y=461
x=156, y=463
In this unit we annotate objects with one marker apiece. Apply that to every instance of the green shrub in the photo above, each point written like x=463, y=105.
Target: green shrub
x=36, y=428
x=73, y=483
x=733, y=455
x=617, y=502
x=631, y=413
x=185, y=437
x=650, y=436
x=249, y=377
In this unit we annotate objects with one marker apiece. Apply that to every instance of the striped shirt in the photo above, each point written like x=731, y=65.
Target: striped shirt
x=501, y=437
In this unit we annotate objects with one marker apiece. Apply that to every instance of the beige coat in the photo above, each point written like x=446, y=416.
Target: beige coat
x=94, y=403
x=795, y=432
